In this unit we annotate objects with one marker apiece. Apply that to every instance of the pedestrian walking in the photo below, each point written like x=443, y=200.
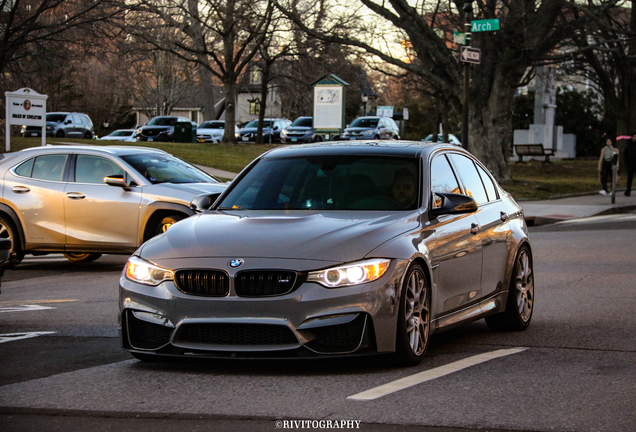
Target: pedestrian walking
x=605, y=164
x=630, y=162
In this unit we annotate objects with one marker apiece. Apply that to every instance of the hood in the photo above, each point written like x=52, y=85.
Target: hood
x=195, y=188
x=359, y=129
x=211, y=131
x=330, y=236
x=298, y=128
x=182, y=193
x=253, y=130
x=157, y=128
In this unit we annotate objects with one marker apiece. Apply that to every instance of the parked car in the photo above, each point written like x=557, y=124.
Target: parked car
x=160, y=128
x=372, y=127
x=452, y=139
x=121, y=135
x=84, y=201
x=300, y=131
x=63, y=125
x=333, y=249
x=272, y=127
x=213, y=130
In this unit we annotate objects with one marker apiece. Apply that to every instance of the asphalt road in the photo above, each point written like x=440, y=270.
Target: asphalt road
x=575, y=368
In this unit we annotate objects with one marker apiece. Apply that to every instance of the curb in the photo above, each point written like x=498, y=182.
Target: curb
x=533, y=221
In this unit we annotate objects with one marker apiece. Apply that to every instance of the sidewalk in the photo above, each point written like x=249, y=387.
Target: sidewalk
x=558, y=209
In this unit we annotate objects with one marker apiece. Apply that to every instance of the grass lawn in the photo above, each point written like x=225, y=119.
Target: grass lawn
x=531, y=180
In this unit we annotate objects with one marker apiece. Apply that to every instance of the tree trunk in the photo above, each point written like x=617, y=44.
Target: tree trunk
x=229, y=89
x=263, y=104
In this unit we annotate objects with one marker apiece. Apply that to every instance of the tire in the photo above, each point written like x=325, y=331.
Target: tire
x=166, y=222
x=377, y=137
x=519, y=305
x=414, y=318
x=8, y=230
x=88, y=135
x=84, y=257
x=59, y=134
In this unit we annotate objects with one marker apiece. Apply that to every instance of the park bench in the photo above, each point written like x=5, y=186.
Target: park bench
x=533, y=150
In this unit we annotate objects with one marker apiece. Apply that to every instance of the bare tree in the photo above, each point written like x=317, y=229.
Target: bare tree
x=220, y=36
x=530, y=31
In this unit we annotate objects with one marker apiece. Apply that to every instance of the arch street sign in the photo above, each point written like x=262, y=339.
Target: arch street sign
x=25, y=107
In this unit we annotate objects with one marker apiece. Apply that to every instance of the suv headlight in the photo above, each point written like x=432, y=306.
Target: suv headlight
x=141, y=271
x=350, y=274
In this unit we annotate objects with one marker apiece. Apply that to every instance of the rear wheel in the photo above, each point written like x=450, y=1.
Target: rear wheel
x=414, y=318
x=82, y=256
x=88, y=135
x=520, y=302
x=8, y=230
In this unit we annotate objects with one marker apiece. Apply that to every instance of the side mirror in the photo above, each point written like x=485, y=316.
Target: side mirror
x=67, y=122
x=201, y=203
x=275, y=127
x=452, y=203
x=117, y=181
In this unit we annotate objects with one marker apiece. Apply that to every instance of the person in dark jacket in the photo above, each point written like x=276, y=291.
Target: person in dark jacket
x=629, y=156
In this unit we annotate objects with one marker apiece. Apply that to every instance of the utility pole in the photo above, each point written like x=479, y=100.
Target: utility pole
x=468, y=15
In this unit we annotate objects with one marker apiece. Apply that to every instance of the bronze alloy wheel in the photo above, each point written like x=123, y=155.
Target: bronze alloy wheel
x=7, y=230
x=414, y=317
x=520, y=302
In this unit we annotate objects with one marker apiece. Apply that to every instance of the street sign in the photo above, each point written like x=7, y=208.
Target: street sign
x=405, y=113
x=484, y=25
x=470, y=55
x=384, y=111
x=459, y=38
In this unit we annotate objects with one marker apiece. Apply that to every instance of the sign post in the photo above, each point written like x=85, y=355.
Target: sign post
x=329, y=105
x=25, y=107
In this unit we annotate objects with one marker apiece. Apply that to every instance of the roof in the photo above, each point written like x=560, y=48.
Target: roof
x=371, y=147
x=113, y=150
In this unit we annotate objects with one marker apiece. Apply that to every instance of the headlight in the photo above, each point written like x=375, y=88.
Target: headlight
x=141, y=271
x=350, y=274
x=283, y=133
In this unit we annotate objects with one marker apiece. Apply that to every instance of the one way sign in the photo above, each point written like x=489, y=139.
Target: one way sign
x=470, y=55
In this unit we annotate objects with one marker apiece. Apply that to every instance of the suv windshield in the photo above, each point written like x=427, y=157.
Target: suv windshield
x=212, y=125
x=254, y=124
x=365, y=122
x=167, y=169
x=57, y=118
x=304, y=121
x=335, y=182
x=163, y=121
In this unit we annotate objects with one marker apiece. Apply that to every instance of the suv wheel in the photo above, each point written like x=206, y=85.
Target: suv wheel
x=8, y=230
x=59, y=134
x=82, y=256
x=88, y=135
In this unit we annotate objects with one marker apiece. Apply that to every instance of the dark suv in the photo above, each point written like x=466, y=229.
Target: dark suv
x=272, y=127
x=160, y=128
x=300, y=131
x=63, y=125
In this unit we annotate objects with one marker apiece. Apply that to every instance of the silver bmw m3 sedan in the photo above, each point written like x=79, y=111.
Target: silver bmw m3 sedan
x=333, y=249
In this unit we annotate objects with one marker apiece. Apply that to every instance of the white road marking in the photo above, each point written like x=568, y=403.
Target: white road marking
x=9, y=337
x=432, y=374
x=24, y=308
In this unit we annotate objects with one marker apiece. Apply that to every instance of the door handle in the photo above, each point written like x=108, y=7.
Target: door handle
x=474, y=228
x=503, y=216
x=75, y=195
x=21, y=189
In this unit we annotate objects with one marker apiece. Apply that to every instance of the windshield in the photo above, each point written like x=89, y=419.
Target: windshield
x=365, y=122
x=122, y=133
x=335, y=182
x=254, y=124
x=212, y=125
x=167, y=169
x=57, y=118
x=163, y=121
x=304, y=121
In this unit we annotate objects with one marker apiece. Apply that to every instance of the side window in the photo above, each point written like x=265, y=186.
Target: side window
x=470, y=178
x=93, y=169
x=25, y=168
x=488, y=183
x=442, y=177
x=50, y=167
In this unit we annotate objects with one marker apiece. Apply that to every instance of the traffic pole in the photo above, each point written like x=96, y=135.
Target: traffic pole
x=468, y=9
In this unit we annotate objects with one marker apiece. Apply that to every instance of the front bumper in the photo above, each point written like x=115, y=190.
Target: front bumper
x=309, y=321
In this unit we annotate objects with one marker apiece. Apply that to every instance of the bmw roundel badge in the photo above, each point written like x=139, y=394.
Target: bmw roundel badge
x=236, y=263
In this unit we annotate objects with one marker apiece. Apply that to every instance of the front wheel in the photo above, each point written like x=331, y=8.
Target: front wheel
x=82, y=256
x=414, y=318
x=520, y=302
x=166, y=222
x=59, y=134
